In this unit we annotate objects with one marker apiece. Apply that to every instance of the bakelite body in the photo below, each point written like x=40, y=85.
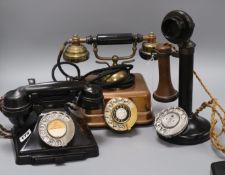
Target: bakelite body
x=24, y=106
x=34, y=151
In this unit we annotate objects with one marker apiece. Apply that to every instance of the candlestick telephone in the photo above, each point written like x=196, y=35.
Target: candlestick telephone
x=180, y=125
x=48, y=125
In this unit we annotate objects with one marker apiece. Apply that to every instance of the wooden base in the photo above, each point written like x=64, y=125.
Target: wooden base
x=138, y=93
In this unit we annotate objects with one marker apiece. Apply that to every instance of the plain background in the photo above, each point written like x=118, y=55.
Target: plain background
x=31, y=33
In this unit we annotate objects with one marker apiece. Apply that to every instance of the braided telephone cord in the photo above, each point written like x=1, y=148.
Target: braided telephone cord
x=1, y=103
x=4, y=133
x=215, y=116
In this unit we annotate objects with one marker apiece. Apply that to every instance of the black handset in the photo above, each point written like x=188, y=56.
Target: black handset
x=48, y=125
x=20, y=102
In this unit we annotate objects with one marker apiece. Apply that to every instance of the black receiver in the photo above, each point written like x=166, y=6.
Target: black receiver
x=20, y=102
x=114, y=38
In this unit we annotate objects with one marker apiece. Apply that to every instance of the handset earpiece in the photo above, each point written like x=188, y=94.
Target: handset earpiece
x=16, y=106
x=90, y=97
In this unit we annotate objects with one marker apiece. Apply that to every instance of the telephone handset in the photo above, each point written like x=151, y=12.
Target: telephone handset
x=48, y=125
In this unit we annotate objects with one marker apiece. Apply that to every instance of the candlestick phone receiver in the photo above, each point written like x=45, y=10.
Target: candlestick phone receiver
x=160, y=51
x=176, y=125
x=48, y=125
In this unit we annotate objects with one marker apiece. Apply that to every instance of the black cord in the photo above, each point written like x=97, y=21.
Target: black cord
x=59, y=63
x=99, y=73
x=65, y=74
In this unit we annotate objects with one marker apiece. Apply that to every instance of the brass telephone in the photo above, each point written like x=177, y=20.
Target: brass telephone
x=127, y=97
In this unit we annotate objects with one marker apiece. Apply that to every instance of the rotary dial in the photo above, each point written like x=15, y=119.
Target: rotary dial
x=171, y=122
x=56, y=128
x=120, y=114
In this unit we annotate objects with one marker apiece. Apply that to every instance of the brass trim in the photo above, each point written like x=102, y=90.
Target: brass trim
x=120, y=124
x=114, y=58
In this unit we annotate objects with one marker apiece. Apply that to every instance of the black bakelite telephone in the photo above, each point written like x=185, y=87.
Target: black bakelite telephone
x=48, y=126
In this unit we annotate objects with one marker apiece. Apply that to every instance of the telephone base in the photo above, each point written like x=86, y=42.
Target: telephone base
x=196, y=132
x=34, y=151
x=138, y=93
x=37, y=158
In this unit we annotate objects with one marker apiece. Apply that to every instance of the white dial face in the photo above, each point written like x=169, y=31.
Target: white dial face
x=57, y=128
x=121, y=113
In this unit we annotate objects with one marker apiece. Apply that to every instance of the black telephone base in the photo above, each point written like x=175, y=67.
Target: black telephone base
x=196, y=132
x=56, y=158
x=33, y=151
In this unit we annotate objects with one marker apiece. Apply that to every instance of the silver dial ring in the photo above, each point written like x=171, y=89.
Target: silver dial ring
x=56, y=128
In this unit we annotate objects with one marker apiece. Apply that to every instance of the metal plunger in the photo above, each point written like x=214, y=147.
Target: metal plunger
x=177, y=27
